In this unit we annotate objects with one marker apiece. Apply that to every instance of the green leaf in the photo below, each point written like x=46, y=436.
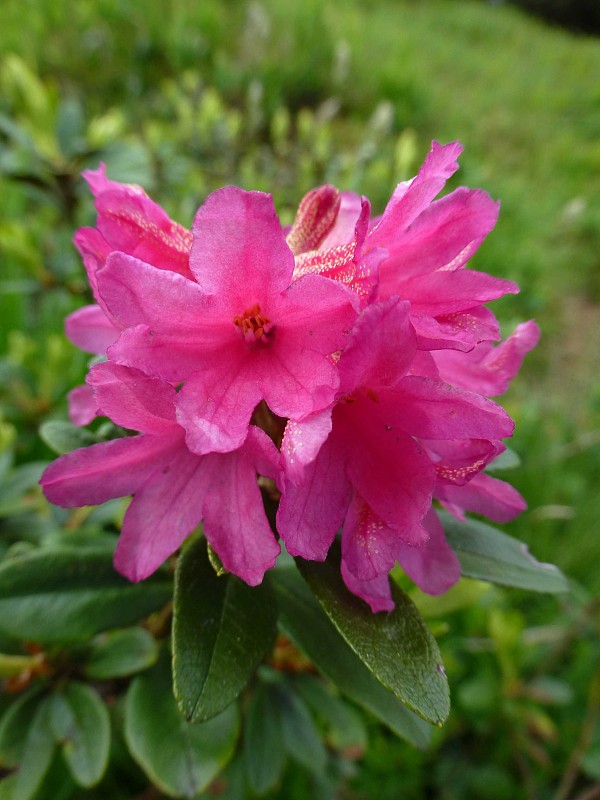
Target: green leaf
x=118, y=653
x=488, y=554
x=397, y=647
x=221, y=630
x=182, y=758
x=300, y=734
x=16, y=483
x=14, y=726
x=264, y=753
x=68, y=595
x=38, y=749
x=305, y=623
x=62, y=437
x=81, y=726
x=508, y=459
x=347, y=731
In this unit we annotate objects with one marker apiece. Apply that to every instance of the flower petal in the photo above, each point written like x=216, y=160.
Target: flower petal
x=239, y=253
x=93, y=475
x=215, y=406
x=312, y=511
x=90, y=329
x=489, y=370
x=411, y=198
x=164, y=511
x=377, y=592
x=382, y=348
x=82, y=405
x=234, y=517
x=435, y=410
x=442, y=237
x=433, y=566
x=132, y=399
x=493, y=498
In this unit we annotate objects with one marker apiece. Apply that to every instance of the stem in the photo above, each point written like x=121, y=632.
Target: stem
x=15, y=665
x=585, y=739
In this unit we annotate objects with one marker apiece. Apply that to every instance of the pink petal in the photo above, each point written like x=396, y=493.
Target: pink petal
x=312, y=511
x=164, y=511
x=319, y=312
x=434, y=410
x=134, y=224
x=382, y=348
x=82, y=405
x=442, y=293
x=369, y=547
x=239, y=251
x=93, y=475
x=137, y=293
x=234, y=517
x=410, y=199
x=343, y=230
x=460, y=331
x=433, y=566
x=133, y=400
x=294, y=380
x=387, y=467
x=495, y=499
x=94, y=250
x=441, y=237
x=170, y=356
x=302, y=442
x=345, y=263
x=377, y=592
x=457, y=461
x=488, y=370
x=215, y=406
x=317, y=213
x=90, y=329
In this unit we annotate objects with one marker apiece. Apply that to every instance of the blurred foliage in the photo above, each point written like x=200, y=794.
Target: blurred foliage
x=184, y=97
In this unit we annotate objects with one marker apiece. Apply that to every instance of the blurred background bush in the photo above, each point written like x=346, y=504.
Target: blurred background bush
x=183, y=97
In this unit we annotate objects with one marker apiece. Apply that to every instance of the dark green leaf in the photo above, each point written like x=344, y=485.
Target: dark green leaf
x=37, y=754
x=182, y=758
x=62, y=437
x=264, y=753
x=14, y=726
x=300, y=734
x=346, y=730
x=69, y=595
x=397, y=647
x=122, y=652
x=303, y=620
x=221, y=630
x=486, y=553
x=81, y=725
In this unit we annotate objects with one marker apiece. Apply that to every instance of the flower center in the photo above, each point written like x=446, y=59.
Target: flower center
x=253, y=325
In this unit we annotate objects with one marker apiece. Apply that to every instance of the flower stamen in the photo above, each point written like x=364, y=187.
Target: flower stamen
x=253, y=325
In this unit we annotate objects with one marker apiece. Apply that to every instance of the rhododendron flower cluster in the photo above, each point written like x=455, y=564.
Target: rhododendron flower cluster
x=339, y=370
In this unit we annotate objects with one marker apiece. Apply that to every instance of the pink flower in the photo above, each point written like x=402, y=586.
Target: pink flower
x=416, y=250
x=371, y=464
x=366, y=340
x=241, y=333
x=174, y=489
x=129, y=222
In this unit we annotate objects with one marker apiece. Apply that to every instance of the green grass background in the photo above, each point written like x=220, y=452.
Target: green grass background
x=184, y=97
